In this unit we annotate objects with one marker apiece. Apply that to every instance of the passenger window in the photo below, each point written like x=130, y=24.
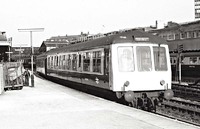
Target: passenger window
x=74, y=62
x=144, y=61
x=86, y=62
x=96, y=61
x=60, y=62
x=125, y=59
x=79, y=62
x=193, y=60
x=55, y=61
x=52, y=62
x=63, y=61
x=69, y=62
x=48, y=62
x=160, y=59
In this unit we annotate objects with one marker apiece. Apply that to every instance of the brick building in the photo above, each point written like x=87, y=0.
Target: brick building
x=4, y=47
x=186, y=34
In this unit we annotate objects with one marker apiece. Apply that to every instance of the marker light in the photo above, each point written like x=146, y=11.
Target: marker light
x=126, y=83
x=162, y=82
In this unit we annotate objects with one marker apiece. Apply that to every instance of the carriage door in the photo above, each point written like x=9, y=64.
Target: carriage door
x=45, y=66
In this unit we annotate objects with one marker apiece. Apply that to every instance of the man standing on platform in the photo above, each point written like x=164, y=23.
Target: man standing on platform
x=27, y=75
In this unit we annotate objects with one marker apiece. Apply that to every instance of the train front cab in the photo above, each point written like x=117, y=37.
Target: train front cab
x=141, y=71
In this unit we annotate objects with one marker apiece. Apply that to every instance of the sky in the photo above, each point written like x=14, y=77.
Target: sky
x=71, y=17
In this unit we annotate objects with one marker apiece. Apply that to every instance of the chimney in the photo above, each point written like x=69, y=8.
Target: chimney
x=156, y=24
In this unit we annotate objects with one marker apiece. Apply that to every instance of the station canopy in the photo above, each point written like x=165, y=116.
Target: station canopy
x=188, y=44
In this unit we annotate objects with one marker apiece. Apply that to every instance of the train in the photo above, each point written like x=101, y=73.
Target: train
x=190, y=66
x=132, y=64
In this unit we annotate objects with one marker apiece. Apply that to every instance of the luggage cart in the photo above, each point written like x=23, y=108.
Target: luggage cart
x=13, y=76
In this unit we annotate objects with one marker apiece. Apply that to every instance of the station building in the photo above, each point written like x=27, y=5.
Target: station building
x=4, y=47
x=61, y=41
x=197, y=9
x=23, y=54
x=184, y=43
x=185, y=34
x=54, y=42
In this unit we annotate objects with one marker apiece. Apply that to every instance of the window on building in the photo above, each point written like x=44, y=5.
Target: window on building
x=173, y=60
x=177, y=36
x=165, y=37
x=190, y=34
x=183, y=35
x=198, y=33
x=170, y=37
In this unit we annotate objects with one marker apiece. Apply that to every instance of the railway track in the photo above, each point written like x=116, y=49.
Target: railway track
x=181, y=109
x=188, y=92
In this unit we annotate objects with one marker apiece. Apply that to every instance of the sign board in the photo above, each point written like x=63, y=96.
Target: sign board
x=9, y=52
x=19, y=49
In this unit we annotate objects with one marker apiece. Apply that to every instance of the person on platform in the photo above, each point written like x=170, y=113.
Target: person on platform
x=26, y=75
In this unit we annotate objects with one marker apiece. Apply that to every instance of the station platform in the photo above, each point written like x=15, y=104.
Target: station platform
x=52, y=106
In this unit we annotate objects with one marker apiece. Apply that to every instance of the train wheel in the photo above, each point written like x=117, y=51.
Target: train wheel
x=152, y=106
x=20, y=88
x=134, y=103
x=139, y=103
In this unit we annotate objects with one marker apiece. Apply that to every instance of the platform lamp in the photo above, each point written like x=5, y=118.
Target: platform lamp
x=31, y=30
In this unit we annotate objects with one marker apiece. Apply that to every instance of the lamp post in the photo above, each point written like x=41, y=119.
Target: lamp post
x=31, y=30
x=10, y=46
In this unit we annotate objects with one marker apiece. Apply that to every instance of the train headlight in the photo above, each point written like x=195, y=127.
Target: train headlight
x=162, y=82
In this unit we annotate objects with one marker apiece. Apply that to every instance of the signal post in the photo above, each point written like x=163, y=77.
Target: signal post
x=180, y=50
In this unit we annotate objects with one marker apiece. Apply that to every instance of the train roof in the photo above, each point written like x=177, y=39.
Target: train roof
x=133, y=36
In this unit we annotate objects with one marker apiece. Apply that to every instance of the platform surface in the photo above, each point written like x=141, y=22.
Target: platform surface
x=52, y=106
